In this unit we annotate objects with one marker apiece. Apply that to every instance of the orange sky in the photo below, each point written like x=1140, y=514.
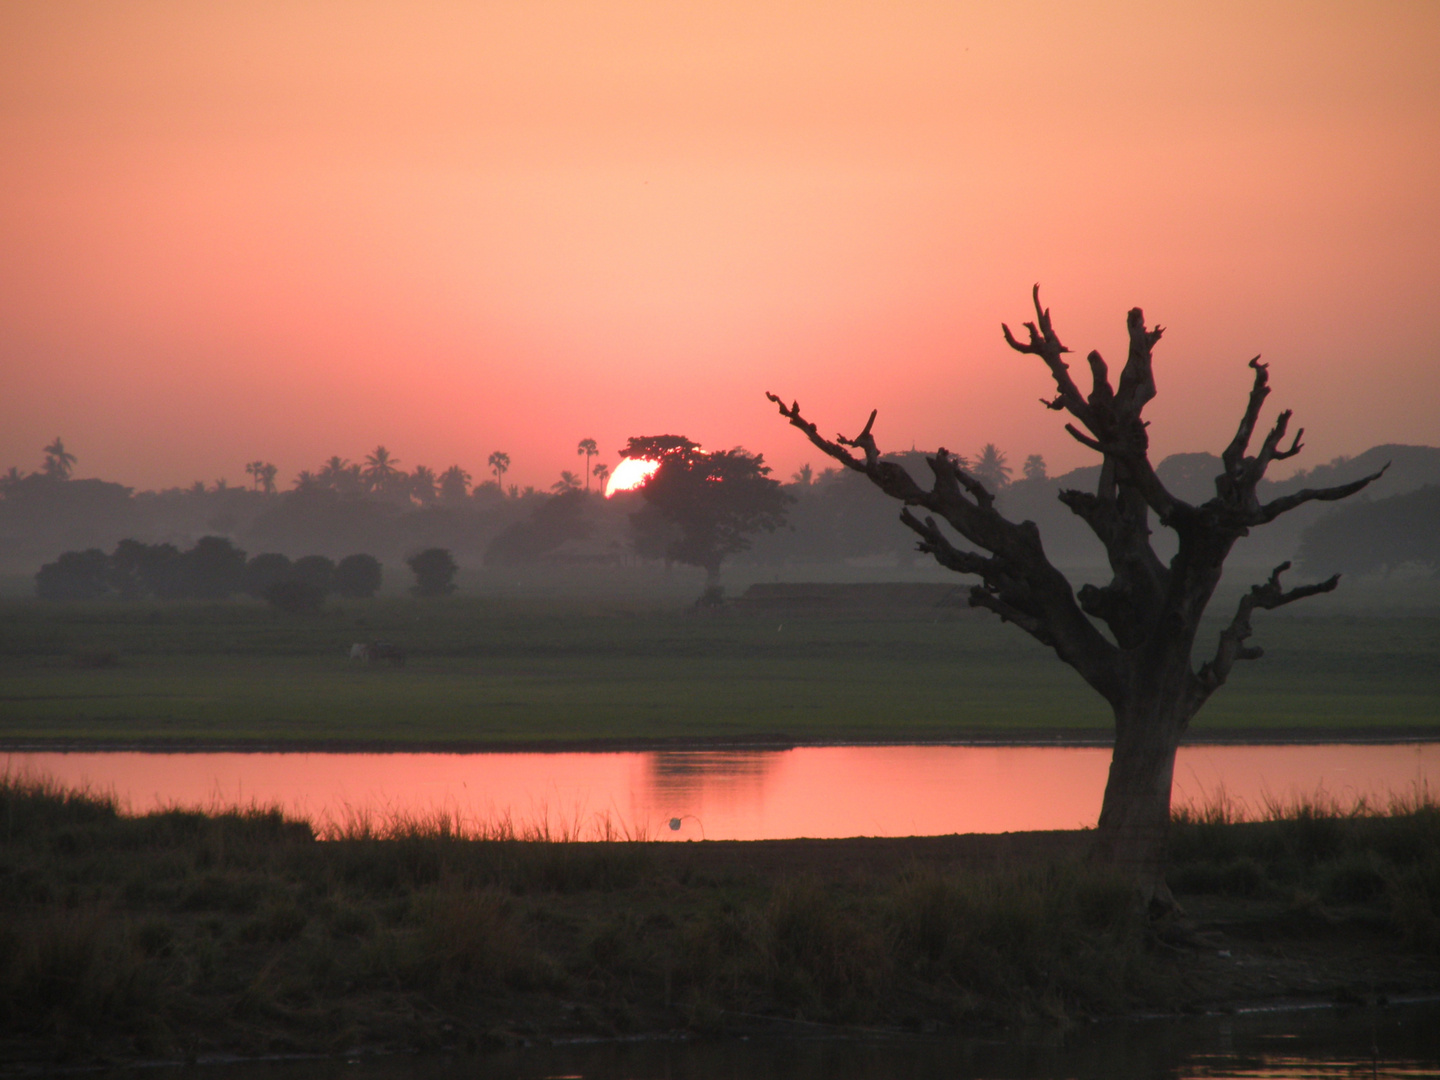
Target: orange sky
x=289, y=230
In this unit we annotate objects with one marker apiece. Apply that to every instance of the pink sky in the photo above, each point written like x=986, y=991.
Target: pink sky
x=290, y=230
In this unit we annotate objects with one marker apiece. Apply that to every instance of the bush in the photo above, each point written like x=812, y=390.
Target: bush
x=263, y=571
x=75, y=575
x=316, y=570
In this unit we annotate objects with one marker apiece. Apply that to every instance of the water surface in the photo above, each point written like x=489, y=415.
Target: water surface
x=742, y=794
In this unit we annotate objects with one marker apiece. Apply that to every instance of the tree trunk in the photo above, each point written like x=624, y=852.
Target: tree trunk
x=1135, y=815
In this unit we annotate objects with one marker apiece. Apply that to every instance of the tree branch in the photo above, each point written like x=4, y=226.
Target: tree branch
x=1283, y=505
x=1232, y=645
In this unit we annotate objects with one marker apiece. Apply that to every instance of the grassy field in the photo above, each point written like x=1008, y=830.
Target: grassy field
x=495, y=671
x=179, y=934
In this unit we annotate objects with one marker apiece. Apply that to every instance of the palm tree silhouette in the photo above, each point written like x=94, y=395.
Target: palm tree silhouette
x=454, y=484
x=589, y=448
x=58, y=460
x=602, y=474
x=500, y=465
x=422, y=484
x=380, y=471
x=990, y=468
x=568, y=482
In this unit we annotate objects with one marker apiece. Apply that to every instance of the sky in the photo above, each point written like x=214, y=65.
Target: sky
x=282, y=231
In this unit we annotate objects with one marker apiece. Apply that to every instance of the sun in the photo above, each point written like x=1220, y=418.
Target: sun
x=630, y=474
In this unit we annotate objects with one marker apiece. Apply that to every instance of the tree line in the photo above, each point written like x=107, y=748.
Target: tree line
x=216, y=569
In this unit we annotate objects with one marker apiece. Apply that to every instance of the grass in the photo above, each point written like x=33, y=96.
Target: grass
x=181, y=933
x=500, y=671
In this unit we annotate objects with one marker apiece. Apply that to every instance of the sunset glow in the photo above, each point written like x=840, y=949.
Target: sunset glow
x=291, y=231
x=630, y=474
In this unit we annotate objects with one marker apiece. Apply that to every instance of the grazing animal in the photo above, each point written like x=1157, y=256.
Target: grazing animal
x=360, y=651
x=383, y=650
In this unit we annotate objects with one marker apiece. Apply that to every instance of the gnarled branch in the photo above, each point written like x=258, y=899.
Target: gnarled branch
x=1232, y=647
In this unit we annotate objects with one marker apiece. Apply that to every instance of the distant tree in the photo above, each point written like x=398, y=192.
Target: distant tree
x=295, y=597
x=454, y=484
x=380, y=472
x=138, y=569
x=213, y=569
x=59, y=462
x=263, y=571
x=423, y=485
x=700, y=508
x=341, y=477
x=197, y=488
x=805, y=477
x=568, y=482
x=434, y=570
x=253, y=469
x=602, y=474
x=588, y=447
x=267, y=478
x=308, y=482
x=990, y=467
x=75, y=575
x=1034, y=468
x=315, y=570
x=1379, y=536
x=500, y=465
x=11, y=480
x=358, y=576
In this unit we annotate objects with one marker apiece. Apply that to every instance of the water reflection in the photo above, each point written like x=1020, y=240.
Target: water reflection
x=741, y=795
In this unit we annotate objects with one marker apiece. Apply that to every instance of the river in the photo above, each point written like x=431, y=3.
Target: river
x=820, y=792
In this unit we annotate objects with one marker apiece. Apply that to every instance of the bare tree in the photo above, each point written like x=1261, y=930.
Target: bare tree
x=588, y=447
x=1142, y=667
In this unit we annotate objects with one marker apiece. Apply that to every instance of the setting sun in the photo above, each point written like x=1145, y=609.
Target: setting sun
x=630, y=474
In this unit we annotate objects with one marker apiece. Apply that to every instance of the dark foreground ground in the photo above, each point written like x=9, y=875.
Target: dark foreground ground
x=180, y=935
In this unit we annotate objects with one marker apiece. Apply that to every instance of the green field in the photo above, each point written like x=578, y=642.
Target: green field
x=512, y=670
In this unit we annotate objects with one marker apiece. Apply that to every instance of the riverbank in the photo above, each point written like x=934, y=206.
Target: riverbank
x=181, y=934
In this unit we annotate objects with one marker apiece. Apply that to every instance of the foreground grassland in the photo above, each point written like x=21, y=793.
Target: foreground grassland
x=180, y=934
x=494, y=672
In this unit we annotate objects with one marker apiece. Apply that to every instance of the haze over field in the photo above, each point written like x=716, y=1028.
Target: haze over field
x=291, y=230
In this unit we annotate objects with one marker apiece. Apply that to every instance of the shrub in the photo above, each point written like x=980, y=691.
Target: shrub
x=434, y=570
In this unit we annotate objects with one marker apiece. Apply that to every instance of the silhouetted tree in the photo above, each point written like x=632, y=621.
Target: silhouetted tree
x=434, y=570
x=588, y=447
x=263, y=571
x=602, y=474
x=296, y=597
x=380, y=472
x=11, y=479
x=568, y=482
x=59, y=462
x=805, y=477
x=500, y=465
x=315, y=570
x=701, y=507
x=358, y=576
x=454, y=484
x=990, y=467
x=422, y=485
x=75, y=575
x=213, y=569
x=1140, y=663
x=1034, y=468
x=341, y=477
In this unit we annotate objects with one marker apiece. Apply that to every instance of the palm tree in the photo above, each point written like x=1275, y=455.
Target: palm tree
x=589, y=448
x=1034, y=467
x=340, y=476
x=454, y=484
x=11, y=479
x=990, y=468
x=422, y=485
x=805, y=477
x=267, y=478
x=568, y=482
x=500, y=465
x=308, y=481
x=379, y=472
x=58, y=461
x=602, y=474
